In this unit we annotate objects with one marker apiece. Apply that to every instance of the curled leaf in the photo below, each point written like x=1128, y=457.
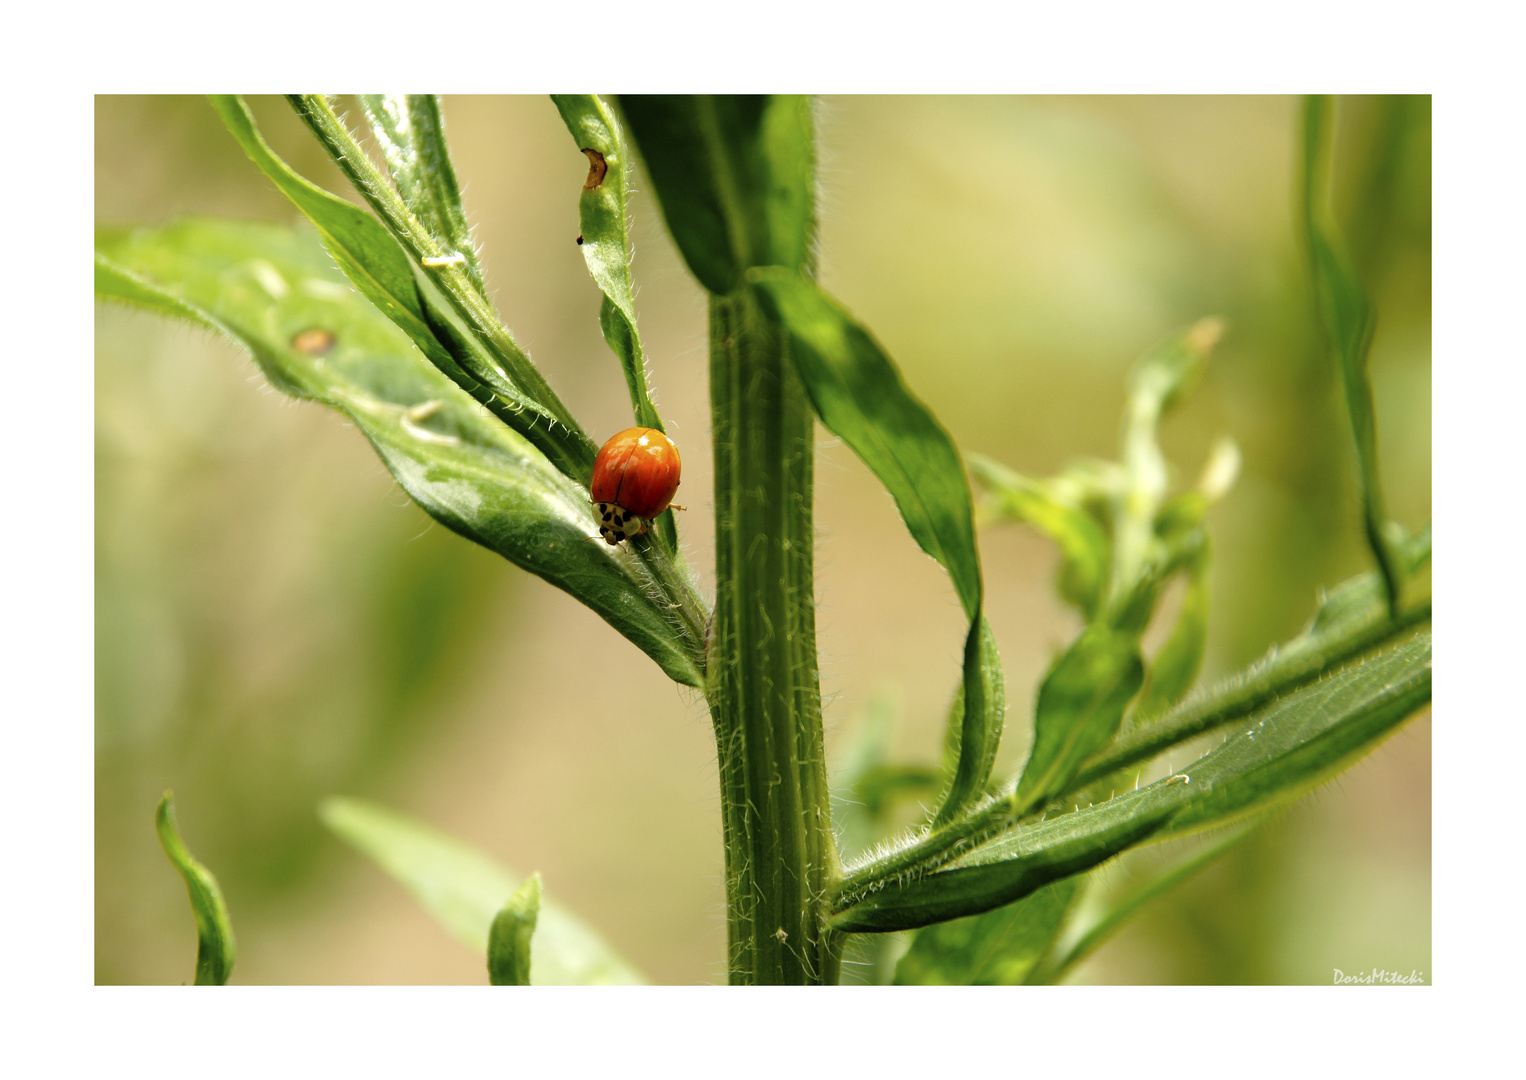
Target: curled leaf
x=508, y=945
x=214, y=930
x=861, y=398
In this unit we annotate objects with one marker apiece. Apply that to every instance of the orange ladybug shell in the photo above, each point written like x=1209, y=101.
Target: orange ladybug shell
x=637, y=470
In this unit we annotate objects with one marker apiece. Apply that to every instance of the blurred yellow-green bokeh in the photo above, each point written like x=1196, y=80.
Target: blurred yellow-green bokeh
x=275, y=621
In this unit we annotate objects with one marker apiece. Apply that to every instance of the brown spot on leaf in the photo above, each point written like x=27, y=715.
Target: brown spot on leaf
x=314, y=341
x=596, y=169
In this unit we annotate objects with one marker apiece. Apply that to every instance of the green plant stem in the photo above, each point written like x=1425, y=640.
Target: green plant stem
x=781, y=857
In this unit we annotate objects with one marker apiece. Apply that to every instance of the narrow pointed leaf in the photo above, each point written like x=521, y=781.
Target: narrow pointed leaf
x=977, y=729
x=1348, y=319
x=215, y=950
x=1080, y=707
x=360, y=244
x=861, y=398
x=1175, y=667
x=733, y=175
x=372, y=259
x=999, y=948
x=1157, y=382
x=606, y=247
x=508, y=946
x=1283, y=751
x=437, y=261
x=274, y=292
x=465, y=891
x=606, y=250
x=411, y=133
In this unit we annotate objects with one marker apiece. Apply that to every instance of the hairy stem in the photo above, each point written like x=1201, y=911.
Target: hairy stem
x=781, y=858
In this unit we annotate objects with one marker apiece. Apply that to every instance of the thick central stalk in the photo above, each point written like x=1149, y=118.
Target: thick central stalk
x=781, y=859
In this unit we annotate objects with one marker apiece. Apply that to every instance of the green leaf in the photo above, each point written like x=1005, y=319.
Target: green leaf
x=1080, y=707
x=606, y=250
x=214, y=930
x=734, y=177
x=371, y=257
x=1347, y=315
x=1353, y=619
x=979, y=729
x=362, y=247
x=1084, y=549
x=411, y=133
x=1157, y=382
x=508, y=946
x=266, y=287
x=1283, y=751
x=606, y=247
x=465, y=891
x=999, y=948
x=860, y=397
x=1056, y=967
x=1175, y=667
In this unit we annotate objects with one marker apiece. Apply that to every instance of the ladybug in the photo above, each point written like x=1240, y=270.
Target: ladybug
x=634, y=479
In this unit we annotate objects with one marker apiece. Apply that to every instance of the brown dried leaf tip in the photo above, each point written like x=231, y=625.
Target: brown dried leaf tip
x=596, y=169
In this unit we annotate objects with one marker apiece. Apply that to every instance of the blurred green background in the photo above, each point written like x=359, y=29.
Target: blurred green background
x=275, y=621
